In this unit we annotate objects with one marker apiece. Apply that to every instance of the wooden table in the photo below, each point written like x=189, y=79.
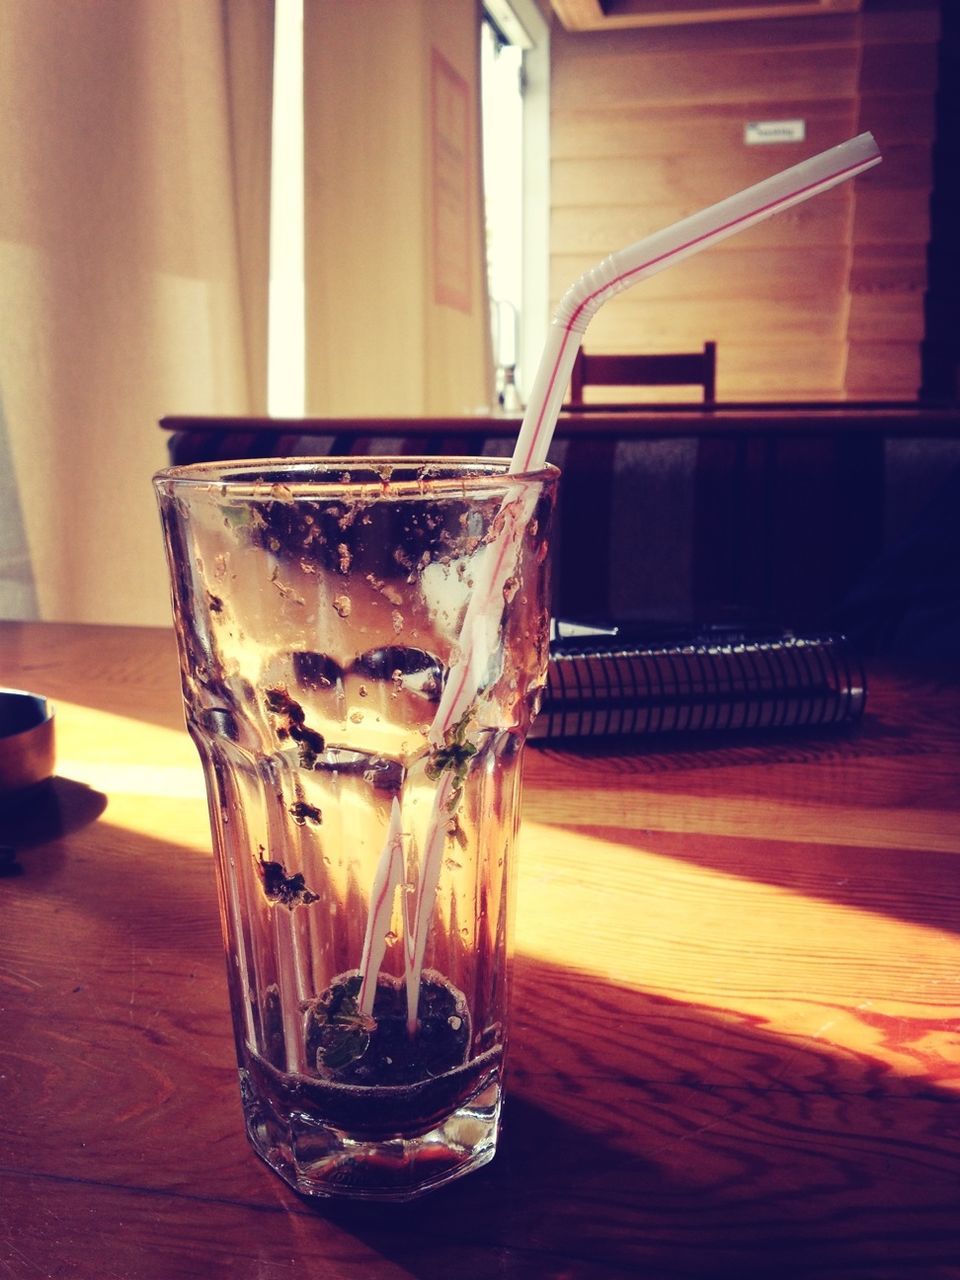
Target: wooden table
x=879, y=418
x=736, y=1033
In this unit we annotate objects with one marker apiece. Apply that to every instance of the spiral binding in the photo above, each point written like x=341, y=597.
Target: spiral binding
x=609, y=688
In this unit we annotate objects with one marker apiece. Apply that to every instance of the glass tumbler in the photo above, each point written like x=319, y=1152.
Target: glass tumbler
x=363, y=644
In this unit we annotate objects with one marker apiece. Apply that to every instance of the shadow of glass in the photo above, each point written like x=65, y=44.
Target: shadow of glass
x=642, y=1135
x=646, y=1136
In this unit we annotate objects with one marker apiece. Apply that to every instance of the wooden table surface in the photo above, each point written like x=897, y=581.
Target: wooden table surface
x=736, y=1030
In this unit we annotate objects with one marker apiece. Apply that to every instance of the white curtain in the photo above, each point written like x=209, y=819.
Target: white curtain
x=398, y=318
x=134, y=195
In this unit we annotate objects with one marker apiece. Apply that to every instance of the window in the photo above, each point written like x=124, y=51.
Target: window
x=516, y=166
x=286, y=359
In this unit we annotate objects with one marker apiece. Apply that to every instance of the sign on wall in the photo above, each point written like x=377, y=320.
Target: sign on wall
x=758, y=132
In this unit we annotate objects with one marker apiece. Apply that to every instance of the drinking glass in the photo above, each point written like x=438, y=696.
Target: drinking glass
x=364, y=849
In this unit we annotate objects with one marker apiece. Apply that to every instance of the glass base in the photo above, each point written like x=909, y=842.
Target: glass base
x=319, y=1159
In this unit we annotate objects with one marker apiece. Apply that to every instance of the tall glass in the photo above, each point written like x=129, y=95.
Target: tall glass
x=364, y=847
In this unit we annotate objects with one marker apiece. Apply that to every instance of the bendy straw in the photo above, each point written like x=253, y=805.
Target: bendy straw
x=495, y=563
x=625, y=268
x=388, y=878
x=579, y=304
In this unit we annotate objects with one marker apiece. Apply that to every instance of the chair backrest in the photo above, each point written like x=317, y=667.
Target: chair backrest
x=683, y=369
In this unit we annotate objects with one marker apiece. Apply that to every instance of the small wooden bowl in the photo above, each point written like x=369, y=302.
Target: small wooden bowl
x=26, y=740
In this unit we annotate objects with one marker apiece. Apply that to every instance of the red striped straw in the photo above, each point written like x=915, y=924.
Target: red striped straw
x=577, y=307
x=389, y=876
x=623, y=269
x=480, y=630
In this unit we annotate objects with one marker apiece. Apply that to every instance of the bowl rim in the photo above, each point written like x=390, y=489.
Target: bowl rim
x=359, y=476
x=38, y=700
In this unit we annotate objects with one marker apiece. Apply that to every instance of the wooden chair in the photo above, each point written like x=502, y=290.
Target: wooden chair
x=596, y=459
x=684, y=369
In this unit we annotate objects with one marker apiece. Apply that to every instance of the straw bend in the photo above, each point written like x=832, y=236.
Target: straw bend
x=584, y=297
x=636, y=262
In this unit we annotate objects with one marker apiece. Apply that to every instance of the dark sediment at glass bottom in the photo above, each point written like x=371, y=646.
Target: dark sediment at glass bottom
x=369, y=1111
x=374, y=1080
x=349, y=1048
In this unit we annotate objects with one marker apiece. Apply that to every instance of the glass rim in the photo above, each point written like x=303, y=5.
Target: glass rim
x=366, y=474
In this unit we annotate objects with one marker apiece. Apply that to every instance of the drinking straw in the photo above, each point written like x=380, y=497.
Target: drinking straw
x=389, y=874
x=577, y=307
x=492, y=567
x=415, y=939
x=623, y=269
x=496, y=561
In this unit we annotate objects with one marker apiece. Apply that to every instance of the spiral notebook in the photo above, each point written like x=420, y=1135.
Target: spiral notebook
x=611, y=684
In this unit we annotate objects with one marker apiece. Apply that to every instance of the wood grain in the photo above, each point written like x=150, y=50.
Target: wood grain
x=647, y=127
x=734, y=1045
x=613, y=15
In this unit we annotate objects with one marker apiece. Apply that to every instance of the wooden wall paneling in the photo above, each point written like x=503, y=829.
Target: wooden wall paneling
x=804, y=371
x=702, y=38
x=883, y=370
x=899, y=59
x=895, y=218
x=786, y=340
x=647, y=127
x=901, y=20
x=680, y=78
x=887, y=283
x=899, y=118
x=588, y=232
x=724, y=271
x=941, y=347
x=603, y=202
x=891, y=228
x=690, y=182
x=652, y=130
x=790, y=319
x=808, y=225
x=886, y=317
x=596, y=15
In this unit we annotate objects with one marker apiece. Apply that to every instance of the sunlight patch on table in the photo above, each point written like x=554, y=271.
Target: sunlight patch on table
x=119, y=755
x=890, y=827
x=635, y=918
